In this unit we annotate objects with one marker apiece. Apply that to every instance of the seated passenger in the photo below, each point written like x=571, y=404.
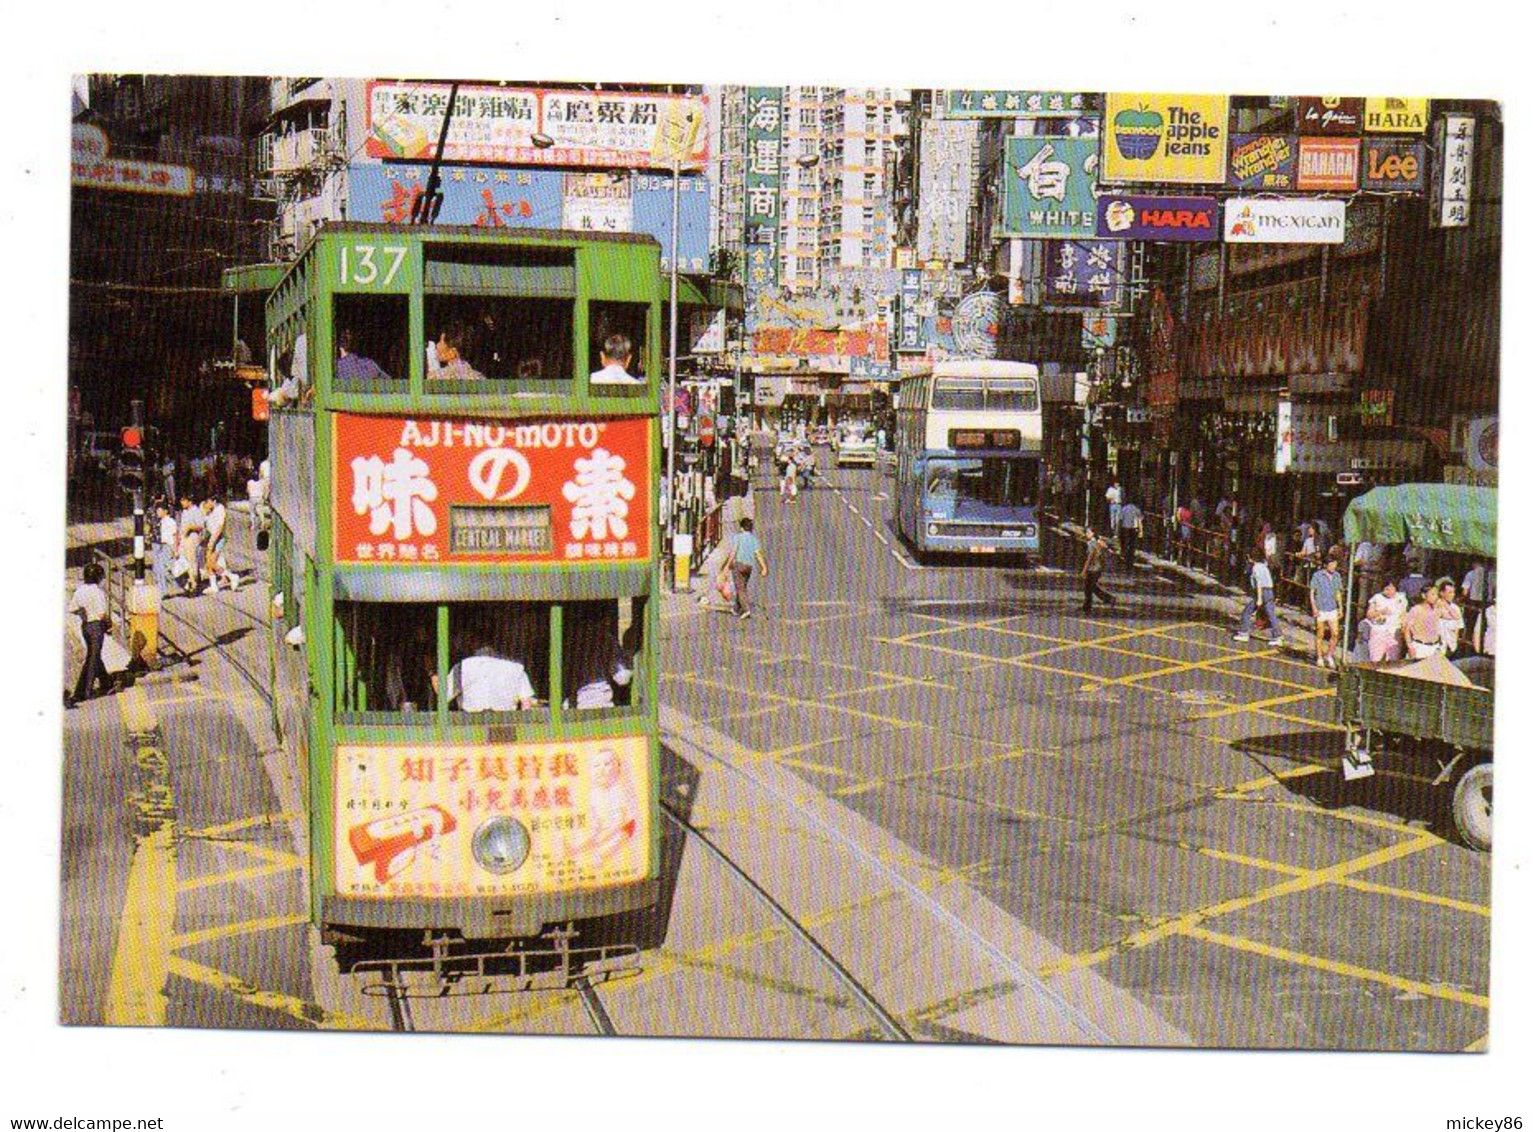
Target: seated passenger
x=596, y=664
x=487, y=681
x=450, y=362
x=353, y=366
x=616, y=353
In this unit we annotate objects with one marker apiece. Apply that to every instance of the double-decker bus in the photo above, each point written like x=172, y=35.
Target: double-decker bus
x=968, y=455
x=465, y=529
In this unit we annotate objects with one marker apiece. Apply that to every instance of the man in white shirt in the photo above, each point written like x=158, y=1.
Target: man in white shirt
x=616, y=352
x=89, y=601
x=489, y=682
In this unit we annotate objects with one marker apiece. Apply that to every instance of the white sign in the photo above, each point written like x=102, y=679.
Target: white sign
x=598, y=202
x=1450, y=194
x=1282, y=457
x=706, y=328
x=1248, y=220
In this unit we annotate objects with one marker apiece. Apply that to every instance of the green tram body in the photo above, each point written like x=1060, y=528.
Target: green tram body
x=412, y=268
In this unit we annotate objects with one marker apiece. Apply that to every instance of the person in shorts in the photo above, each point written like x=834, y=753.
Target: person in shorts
x=1325, y=605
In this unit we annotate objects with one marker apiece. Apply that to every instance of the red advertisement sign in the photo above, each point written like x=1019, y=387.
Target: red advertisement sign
x=1329, y=164
x=447, y=491
x=831, y=343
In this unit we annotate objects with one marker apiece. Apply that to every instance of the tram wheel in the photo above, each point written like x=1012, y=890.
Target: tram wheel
x=1471, y=806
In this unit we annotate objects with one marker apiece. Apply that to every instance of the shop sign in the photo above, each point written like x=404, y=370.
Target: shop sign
x=1085, y=274
x=495, y=124
x=260, y=404
x=1264, y=162
x=909, y=332
x=1395, y=115
x=91, y=168
x=1376, y=407
x=1282, y=458
x=763, y=186
x=444, y=492
x=1329, y=164
x=1463, y=476
x=1330, y=115
x=1183, y=219
x=1390, y=165
x=1180, y=138
x=807, y=342
x=1205, y=269
x=1454, y=136
x=1278, y=341
x=406, y=818
x=1050, y=185
x=1098, y=331
x=1482, y=443
x=706, y=331
x=1249, y=220
x=598, y=202
x=1015, y=103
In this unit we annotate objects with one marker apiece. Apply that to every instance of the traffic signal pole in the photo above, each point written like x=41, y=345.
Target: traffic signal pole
x=136, y=414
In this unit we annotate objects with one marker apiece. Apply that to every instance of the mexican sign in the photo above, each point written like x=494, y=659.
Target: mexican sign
x=91, y=168
x=1395, y=115
x=607, y=129
x=1249, y=220
x=763, y=184
x=1157, y=218
x=1179, y=138
x=1454, y=136
x=1329, y=164
x=1329, y=115
x=575, y=812
x=1263, y=162
x=1394, y=165
x=1049, y=183
x=1015, y=103
x=542, y=198
x=444, y=492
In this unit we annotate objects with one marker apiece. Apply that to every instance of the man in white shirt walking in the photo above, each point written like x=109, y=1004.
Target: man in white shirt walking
x=89, y=601
x=1261, y=598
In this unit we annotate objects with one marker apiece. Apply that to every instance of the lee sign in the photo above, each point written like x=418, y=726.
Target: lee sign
x=440, y=492
x=1254, y=221
x=1392, y=165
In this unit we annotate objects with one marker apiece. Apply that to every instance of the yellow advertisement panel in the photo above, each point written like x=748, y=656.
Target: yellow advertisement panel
x=491, y=820
x=1395, y=115
x=1180, y=138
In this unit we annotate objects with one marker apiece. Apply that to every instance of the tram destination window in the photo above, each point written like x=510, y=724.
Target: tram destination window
x=602, y=645
x=484, y=343
x=500, y=529
x=372, y=343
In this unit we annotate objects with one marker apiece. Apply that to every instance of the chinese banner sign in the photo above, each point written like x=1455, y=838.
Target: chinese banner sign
x=1263, y=162
x=821, y=343
x=607, y=129
x=1166, y=137
x=91, y=168
x=1049, y=183
x=910, y=340
x=406, y=817
x=1454, y=135
x=1015, y=103
x=763, y=185
x=444, y=492
x=1085, y=274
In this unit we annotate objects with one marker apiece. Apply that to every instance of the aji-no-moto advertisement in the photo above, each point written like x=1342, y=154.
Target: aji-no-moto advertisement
x=548, y=817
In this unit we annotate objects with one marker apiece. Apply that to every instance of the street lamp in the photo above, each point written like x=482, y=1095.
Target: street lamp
x=542, y=141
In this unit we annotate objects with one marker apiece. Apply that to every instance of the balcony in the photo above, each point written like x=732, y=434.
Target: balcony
x=298, y=151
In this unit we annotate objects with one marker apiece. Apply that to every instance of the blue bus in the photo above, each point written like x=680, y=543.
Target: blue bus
x=968, y=458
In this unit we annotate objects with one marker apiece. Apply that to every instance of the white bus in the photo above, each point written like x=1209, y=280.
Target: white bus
x=968, y=456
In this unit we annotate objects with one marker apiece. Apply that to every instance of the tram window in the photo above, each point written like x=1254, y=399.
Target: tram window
x=513, y=637
x=603, y=641
x=500, y=339
x=386, y=656
x=611, y=321
x=372, y=340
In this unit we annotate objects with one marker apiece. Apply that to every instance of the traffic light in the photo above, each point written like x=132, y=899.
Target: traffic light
x=130, y=463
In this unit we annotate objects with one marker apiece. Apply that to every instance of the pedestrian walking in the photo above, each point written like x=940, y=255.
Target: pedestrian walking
x=1325, y=605
x=1261, y=598
x=1114, y=504
x=89, y=601
x=1130, y=524
x=1091, y=572
x=189, y=530
x=164, y=547
x=744, y=559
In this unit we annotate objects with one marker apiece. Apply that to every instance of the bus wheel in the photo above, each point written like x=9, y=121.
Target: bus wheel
x=1471, y=806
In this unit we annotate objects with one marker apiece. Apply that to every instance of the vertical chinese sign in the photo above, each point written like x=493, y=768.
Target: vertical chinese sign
x=763, y=187
x=1450, y=190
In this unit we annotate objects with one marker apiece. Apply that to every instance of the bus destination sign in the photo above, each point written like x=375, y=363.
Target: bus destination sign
x=963, y=439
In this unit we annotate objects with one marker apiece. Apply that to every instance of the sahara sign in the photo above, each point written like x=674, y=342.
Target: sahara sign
x=1179, y=138
x=1184, y=219
x=1249, y=220
x=1329, y=164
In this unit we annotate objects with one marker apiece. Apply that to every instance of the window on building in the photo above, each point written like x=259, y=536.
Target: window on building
x=372, y=342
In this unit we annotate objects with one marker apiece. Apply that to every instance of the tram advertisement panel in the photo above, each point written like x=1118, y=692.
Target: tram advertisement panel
x=417, y=490
x=491, y=820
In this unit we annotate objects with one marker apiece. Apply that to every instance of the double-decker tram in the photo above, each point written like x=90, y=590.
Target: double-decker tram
x=968, y=456
x=464, y=448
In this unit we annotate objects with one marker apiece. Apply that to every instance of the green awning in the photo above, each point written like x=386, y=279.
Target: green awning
x=254, y=278
x=1434, y=516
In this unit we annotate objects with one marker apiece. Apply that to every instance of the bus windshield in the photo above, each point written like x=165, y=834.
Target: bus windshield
x=982, y=485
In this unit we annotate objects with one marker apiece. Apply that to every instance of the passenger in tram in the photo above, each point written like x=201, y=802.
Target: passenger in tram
x=597, y=666
x=616, y=353
x=350, y=365
x=451, y=365
x=487, y=681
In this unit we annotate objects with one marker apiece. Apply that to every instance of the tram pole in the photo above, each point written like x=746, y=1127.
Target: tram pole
x=670, y=452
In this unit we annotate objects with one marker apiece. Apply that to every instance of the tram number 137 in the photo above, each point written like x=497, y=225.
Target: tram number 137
x=359, y=264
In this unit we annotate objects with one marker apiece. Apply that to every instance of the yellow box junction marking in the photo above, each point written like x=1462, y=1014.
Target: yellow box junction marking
x=309, y=1012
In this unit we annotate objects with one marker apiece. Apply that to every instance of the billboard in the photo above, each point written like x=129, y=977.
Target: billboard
x=1329, y=164
x=1395, y=115
x=445, y=492
x=543, y=198
x=1250, y=220
x=1050, y=185
x=496, y=124
x=1394, y=165
x=91, y=168
x=406, y=818
x=1015, y=103
x=1181, y=138
x=1263, y=162
x=1184, y=219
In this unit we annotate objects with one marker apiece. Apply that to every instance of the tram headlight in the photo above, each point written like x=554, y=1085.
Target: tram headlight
x=931, y=528
x=501, y=845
